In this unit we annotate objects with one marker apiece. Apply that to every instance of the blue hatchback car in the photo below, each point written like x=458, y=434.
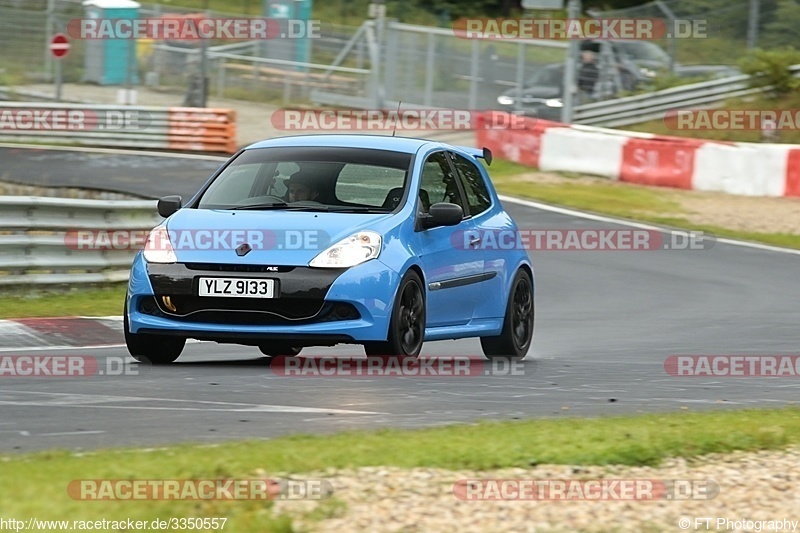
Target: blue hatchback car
x=317, y=240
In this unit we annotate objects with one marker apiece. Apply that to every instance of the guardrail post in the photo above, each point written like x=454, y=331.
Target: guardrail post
x=570, y=65
x=221, y=71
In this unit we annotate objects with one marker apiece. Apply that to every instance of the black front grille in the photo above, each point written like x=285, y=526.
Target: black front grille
x=249, y=311
x=217, y=267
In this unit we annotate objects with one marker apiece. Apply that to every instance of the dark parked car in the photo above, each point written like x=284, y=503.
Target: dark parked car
x=541, y=96
x=607, y=68
x=645, y=60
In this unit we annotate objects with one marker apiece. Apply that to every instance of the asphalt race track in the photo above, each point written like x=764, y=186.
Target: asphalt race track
x=149, y=176
x=606, y=322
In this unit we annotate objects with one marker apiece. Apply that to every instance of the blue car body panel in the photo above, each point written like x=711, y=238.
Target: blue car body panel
x=475, y=309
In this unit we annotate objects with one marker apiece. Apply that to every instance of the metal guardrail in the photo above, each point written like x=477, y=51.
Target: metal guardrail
x=34, y=239
x=654, y=105
x=166, y=128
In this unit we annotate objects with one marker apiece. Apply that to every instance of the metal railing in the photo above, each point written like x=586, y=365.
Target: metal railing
x=651, y=106
x=40, y=241
x=236, y=67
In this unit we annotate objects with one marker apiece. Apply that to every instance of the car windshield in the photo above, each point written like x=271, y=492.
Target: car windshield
x=642, y=51
x=311, y=178
x=547, y=77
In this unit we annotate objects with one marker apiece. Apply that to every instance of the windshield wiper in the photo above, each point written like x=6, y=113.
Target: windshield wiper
x=358, y=209
x=326, y=208
x=272, y=205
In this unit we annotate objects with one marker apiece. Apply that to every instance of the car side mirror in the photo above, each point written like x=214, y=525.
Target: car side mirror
x=169, y=204
x=443, y=214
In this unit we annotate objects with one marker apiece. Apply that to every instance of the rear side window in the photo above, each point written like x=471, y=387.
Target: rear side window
x=369, y=185
x=438, y=183
x=474, y=186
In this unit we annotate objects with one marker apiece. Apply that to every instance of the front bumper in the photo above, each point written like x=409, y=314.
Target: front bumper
x=314, y=306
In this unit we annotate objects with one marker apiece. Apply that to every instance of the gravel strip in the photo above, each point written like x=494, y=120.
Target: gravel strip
x=752, y=486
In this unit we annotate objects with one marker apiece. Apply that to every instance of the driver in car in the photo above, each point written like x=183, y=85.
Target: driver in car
x=302, y=187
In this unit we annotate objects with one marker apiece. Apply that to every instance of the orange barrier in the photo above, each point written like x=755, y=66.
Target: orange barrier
x=204, y=130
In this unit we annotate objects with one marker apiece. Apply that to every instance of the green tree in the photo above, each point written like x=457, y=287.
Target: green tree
x=784, y=29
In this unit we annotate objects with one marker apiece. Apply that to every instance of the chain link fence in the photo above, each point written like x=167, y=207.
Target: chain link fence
x=265, y=70
x=383, y=63
x=732, y=27
x=25, y=31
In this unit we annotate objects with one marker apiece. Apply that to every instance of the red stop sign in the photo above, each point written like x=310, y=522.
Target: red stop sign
x=59, y=45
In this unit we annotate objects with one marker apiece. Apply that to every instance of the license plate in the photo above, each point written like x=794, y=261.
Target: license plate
x=237, y=287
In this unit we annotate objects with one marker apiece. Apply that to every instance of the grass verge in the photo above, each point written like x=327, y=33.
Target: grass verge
x=96, y=301
x=753, y=102
x=639, y=440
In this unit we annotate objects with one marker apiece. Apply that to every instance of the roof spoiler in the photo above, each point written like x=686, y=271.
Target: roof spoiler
x=484, y=153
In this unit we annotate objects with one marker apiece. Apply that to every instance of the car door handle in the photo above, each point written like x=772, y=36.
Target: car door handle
x=474, y=240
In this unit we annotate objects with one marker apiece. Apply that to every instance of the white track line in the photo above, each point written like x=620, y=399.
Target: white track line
x=640, y=225
x=59, y=348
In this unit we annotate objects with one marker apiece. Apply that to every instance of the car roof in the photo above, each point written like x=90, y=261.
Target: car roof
x=376, y=142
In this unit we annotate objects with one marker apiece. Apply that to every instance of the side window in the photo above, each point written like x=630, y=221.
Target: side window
x=438, y=184
x=474, y=186
x=370, y=185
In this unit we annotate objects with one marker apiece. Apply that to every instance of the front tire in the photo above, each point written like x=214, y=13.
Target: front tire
x=407, y=323
x=515, y=338
x=153, y=349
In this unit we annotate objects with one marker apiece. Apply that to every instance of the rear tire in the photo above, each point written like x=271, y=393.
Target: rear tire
x=153, y=349
x=515, y=338
x=407, y=323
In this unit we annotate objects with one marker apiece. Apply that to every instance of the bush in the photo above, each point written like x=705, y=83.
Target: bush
x=771, y=67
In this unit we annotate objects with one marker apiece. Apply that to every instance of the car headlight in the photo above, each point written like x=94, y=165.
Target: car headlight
x=351, y=251
x=647, y=72
x=554, y=102
x=158, y=248
x=505, y=100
